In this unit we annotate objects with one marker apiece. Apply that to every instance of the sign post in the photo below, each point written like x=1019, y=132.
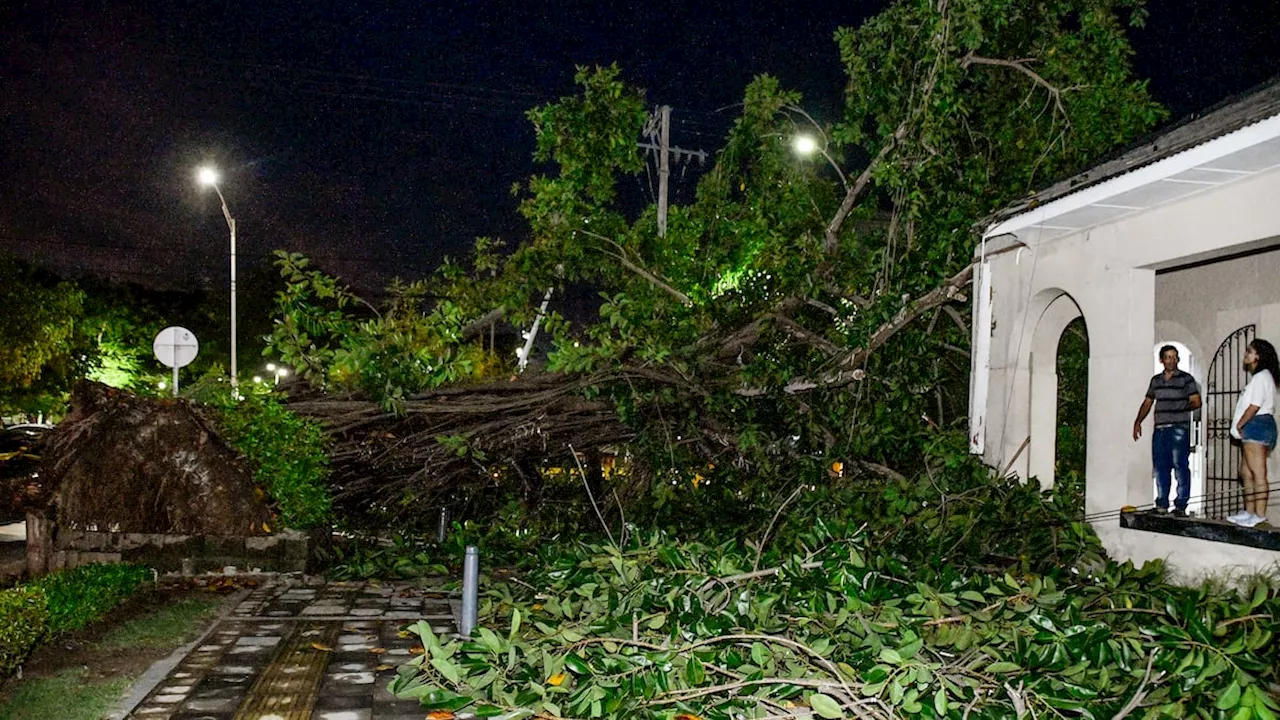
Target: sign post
x=175, y=347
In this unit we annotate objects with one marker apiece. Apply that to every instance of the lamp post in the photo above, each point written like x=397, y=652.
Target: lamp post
x=209, y=176
x=806, y=145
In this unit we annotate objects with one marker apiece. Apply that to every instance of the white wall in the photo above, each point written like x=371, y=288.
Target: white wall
x=1109, y=272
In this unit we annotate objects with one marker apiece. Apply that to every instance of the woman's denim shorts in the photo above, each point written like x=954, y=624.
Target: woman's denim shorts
x=1261, y=429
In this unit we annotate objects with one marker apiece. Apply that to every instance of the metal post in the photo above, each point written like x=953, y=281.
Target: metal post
x=533, y=332
x=175, y=374
x=231, y=225
x=444, y=525
x=470, y=589
x=664, y=169
x=235, y=378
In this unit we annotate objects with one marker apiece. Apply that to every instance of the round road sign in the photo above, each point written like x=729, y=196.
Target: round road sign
x=176, y=347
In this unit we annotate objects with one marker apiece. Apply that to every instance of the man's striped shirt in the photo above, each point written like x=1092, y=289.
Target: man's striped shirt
x=1173, y=397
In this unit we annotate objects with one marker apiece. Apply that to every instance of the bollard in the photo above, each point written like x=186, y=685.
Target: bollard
x=443, y=527
x=470, y=589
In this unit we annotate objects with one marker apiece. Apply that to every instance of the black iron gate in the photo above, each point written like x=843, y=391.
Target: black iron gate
x=1223, y=490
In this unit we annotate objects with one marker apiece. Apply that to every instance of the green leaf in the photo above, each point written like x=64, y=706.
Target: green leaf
x=759, y=655
x=694, y=671
x=825, y=706
x=909, y=650
x=1230, y=697
x=576, y=665
x=1003, y=667
x=515, y=624
x=940, y=702
x=447, y=669
x=490, y=639
x=890, y=656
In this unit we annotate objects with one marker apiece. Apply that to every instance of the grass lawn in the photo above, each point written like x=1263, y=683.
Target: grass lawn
x=68, y=694
x=82, y=678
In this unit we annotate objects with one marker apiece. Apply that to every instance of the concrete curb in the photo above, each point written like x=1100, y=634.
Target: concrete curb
x=160, y=669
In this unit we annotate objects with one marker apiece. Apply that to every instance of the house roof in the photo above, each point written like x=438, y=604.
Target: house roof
x=1225, y=119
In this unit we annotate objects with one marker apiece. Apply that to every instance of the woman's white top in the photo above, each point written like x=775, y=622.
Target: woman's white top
x=1260, y=391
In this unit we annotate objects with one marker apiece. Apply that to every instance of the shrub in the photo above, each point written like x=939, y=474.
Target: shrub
x=24, y=619
x=58, y=603
x=287, y=453
x=75, y=598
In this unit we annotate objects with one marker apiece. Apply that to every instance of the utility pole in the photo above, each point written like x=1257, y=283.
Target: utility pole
x=664, y=169
x=658, y=132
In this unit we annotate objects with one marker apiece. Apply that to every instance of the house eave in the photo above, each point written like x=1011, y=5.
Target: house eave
x=1063, y=215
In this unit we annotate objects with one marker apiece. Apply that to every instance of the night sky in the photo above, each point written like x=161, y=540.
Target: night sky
x=379, y=137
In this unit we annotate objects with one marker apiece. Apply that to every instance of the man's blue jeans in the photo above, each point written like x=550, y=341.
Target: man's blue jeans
x=1170, y=451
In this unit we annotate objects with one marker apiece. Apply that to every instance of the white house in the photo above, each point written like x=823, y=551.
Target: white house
x=1176, y=241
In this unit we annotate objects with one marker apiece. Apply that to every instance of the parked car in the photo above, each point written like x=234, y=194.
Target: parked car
x=19, y=460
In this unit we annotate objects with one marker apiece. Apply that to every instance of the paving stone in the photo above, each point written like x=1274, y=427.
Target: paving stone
x=365, y=714
x=211, y=705
x=347, y=697
x=351, y=678
x=235, y=670
x=259, y=640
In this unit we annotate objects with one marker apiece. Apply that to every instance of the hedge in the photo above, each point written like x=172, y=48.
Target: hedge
x=61, y=602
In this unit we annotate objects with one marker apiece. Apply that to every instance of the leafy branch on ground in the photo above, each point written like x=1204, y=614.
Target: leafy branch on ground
x=843, y=628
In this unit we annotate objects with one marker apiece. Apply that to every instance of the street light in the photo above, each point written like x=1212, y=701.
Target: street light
x=209, y=176
x=806, y=145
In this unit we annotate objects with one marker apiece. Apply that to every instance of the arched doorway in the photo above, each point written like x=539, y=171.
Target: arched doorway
x=1073, y=413
x=1060, y=313
x=1224, y=492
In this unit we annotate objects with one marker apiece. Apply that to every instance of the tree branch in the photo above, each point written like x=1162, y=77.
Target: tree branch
x=944, y=293
x=480, y=324
x=805, y=336
x=851, y=365
x=831, y=238
x=1021, y=65
x=1141, y=692
x=642, y=272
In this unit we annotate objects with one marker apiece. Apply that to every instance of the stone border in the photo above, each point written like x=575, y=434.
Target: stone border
x=284, y=552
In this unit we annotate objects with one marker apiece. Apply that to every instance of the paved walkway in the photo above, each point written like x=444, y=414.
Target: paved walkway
x=292, y=651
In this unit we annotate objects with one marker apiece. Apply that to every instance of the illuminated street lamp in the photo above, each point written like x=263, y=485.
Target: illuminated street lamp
x=209, y=176
x=806, y=145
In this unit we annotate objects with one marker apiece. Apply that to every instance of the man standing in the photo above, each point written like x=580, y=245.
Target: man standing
x=1175, y=395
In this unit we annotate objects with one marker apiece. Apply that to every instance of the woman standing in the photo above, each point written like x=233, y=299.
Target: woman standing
x=1254, y=425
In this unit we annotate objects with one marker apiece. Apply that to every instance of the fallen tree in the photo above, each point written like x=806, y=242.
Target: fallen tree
x=781, y=325
x=440, y=447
